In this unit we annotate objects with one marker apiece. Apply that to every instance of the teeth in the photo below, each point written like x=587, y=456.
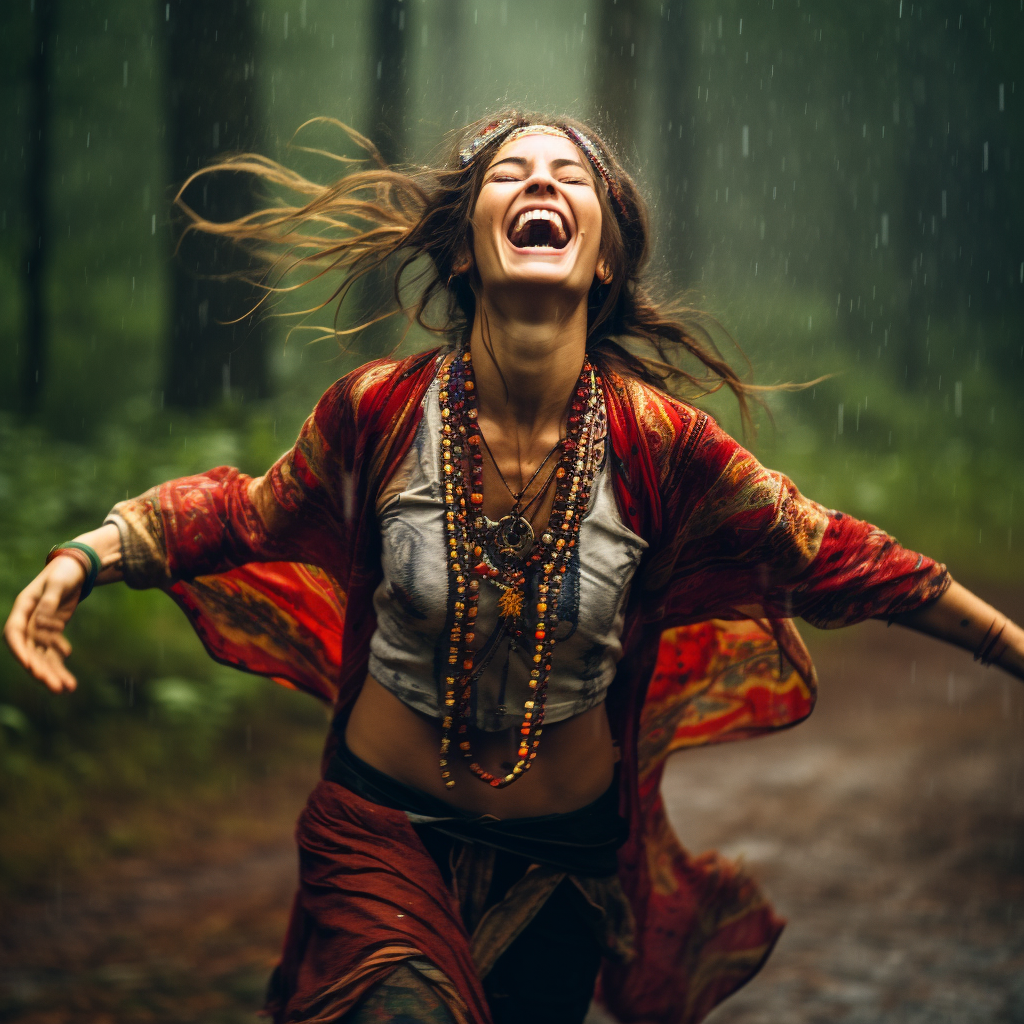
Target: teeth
x=553, y=216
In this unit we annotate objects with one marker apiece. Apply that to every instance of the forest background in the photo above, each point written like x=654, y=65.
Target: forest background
x=835, y=182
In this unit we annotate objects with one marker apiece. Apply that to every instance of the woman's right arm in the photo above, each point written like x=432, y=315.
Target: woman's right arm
x=205, y=524
x=196, y=526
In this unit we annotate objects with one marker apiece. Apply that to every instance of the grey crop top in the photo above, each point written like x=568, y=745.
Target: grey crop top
x=412, y=600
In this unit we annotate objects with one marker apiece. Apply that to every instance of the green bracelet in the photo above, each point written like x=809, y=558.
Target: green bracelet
x=94, y=563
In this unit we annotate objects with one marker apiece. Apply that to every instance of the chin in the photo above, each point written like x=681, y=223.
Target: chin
x=554, y=271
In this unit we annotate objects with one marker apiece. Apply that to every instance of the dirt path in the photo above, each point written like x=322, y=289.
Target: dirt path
x=889, y=829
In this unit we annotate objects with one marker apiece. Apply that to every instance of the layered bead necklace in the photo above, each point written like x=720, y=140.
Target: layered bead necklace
x=470, y=538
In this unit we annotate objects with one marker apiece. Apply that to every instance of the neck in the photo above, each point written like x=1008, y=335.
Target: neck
x=526, y=367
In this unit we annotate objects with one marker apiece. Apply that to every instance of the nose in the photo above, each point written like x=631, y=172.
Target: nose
x=540, y=182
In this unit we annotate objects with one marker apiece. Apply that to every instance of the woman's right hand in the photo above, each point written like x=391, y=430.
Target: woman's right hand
x=35, y=628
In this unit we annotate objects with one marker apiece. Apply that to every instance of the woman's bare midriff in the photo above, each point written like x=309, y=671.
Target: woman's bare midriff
x=574, y=766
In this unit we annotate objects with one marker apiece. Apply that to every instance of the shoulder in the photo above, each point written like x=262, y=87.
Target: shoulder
x=649, y=423
x=699, y=470
x=375, y=392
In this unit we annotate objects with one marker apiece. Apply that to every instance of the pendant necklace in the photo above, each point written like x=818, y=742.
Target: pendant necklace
x=514, y=532
x=467, y=536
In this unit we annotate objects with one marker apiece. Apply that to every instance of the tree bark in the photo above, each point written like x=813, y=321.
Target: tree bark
x=391, y=30
x=37, y=206
x=623, y=53
x=212, y=106
x=957, y=240
x=678, y=243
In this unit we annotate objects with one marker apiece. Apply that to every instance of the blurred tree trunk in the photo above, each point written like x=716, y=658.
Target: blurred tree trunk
x=388, y=82
x=391, y=31
x=646, y=60
x=677, y=240
x=212, y=107
x=623, y=58
x=37, y=206
x=957, y=239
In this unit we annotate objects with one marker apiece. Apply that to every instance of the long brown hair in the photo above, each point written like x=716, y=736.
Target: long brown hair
x=413, y=224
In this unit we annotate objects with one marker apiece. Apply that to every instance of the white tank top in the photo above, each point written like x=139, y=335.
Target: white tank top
x=410, y=642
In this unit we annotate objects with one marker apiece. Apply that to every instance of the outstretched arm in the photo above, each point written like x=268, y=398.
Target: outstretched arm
x=182, y=529
x=962, y=618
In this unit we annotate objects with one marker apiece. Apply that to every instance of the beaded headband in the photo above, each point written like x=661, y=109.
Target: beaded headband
x=509, y=129
x=535, y=129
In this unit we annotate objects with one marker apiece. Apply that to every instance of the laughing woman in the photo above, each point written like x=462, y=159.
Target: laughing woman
x=522, y=573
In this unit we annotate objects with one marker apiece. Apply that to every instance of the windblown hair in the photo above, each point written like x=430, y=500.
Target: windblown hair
x=413, y=224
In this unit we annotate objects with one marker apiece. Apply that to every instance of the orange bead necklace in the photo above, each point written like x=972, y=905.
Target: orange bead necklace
x=466, y=535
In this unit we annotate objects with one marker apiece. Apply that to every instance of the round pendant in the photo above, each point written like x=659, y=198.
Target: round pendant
x=514, y=535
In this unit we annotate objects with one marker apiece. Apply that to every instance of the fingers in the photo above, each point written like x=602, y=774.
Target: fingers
x=16, y=630
x=43, y=628
x=34, y=630
x=57, y=672
x=47, y=665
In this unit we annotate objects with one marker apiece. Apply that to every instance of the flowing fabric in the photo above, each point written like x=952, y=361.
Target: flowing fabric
x=277, y=575
x=370, y=898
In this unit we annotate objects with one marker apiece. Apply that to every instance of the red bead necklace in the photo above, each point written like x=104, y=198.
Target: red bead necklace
x=466, y=537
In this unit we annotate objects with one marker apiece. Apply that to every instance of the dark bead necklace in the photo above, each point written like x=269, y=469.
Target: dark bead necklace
x=469, y=538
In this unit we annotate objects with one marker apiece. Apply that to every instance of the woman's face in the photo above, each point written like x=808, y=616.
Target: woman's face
x=537, y=220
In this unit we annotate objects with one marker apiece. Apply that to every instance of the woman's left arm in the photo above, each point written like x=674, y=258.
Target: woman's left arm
x=749, y=543
x=962, y=618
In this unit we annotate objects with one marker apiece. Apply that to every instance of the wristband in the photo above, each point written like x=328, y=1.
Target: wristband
x=94, y=563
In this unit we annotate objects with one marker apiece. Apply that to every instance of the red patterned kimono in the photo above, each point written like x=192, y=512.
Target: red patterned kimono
x=277, y=575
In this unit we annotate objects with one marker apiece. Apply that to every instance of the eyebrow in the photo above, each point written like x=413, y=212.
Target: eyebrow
x=523, y=162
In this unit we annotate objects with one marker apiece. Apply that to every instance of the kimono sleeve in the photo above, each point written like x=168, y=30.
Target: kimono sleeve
x=298, y=511
x=743, y=542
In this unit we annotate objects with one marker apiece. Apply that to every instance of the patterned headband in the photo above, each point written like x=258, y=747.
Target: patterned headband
x=509, y=128
x=535, y=129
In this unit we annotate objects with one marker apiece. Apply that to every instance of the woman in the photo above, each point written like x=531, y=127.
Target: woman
x=523, y=574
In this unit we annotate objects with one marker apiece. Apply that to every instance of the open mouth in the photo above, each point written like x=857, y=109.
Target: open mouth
x=539, y=229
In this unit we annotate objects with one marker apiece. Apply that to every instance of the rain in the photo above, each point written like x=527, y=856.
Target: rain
x=837, y=185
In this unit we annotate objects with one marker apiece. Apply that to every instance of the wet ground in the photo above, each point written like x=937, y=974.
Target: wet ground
x=889, y=829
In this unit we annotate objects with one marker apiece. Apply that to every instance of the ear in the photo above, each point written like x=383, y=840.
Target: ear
x=603, y=272
x=462, y=265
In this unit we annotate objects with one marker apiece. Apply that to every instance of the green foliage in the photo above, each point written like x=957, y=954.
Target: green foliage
x=152, y=713
x=935, y=464
x=773, y=198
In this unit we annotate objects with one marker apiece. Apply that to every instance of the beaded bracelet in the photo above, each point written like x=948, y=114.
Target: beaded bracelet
x=91, y=572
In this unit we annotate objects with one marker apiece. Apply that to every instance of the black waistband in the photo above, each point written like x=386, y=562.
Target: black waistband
x=583, y=842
